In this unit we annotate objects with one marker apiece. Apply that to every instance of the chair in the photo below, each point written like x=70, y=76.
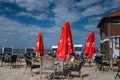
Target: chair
x=106, y=64
x=10, y=59
x=75, y=66
x=13, y=60
x=30, y=63
x=118, y=64
x=2, y=59
x=102, y=63
x=99, y=62
x=7, y=59
x=48, y=67
x=6, y=51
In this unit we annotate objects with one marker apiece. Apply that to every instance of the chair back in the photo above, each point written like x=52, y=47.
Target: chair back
x=98, y=60
x=2, y=57
x=76, y=67
x=7, y=58
x=80, y=65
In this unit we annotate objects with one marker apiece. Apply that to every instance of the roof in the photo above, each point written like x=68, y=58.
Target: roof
x=113, y=14
x=110, y=15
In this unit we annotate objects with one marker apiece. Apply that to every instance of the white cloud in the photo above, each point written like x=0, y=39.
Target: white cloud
x=89, y=10
x=23, y=14
x=91, y=27
x=12, y=30
x=41, y=16
x=32, y=5
x=86, y=3
x=94, y=10
x=41, y=6
x=65, y=12
x=115, y=3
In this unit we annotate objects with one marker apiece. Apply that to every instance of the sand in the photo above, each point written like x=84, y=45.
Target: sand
x=88, y=73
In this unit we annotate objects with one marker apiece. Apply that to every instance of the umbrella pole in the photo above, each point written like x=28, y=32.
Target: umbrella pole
x=40, y=68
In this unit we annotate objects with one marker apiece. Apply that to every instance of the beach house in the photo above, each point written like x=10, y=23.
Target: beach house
x=109, y=27
x=77, y=48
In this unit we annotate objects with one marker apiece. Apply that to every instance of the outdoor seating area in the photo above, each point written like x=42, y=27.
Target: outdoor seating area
x=10, y=60
x=48, y=67
x=55, y=69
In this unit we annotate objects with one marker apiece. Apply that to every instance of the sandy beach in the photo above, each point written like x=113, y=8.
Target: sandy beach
x=88, y=73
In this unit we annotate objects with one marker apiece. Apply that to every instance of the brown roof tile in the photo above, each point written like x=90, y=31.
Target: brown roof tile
x=113, y=14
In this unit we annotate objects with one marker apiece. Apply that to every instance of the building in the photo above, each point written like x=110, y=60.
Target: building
x=109, y=27
x=77, y=49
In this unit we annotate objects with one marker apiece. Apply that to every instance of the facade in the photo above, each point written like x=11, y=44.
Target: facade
x=77, y=49
x=109, y=27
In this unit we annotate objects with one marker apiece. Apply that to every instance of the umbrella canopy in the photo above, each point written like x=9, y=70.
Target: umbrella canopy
x=39, y=44
x=65, y=44
x=89, y=47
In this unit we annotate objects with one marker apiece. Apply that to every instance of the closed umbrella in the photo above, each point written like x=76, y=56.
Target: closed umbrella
x=39, y=48
x=65, y=44
x=89, y=47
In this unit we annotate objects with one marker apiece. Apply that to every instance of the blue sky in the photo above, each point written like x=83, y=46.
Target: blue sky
x=21, y=20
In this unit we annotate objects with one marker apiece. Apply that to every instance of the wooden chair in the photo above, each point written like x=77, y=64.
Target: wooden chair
x=106, y=65
x=75, y=66
x=2, y=59
x=10, y=59
x=30, y=63
x=13, y=60
x=99, y=62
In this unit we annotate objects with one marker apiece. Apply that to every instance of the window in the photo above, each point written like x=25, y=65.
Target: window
x=7, y=50
x=116, y=21
x=29, y=50
x=78, y=48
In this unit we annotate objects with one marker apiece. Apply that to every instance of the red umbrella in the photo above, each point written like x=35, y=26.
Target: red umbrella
x=89, y=47
x=39, y=44
x=65, y=44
